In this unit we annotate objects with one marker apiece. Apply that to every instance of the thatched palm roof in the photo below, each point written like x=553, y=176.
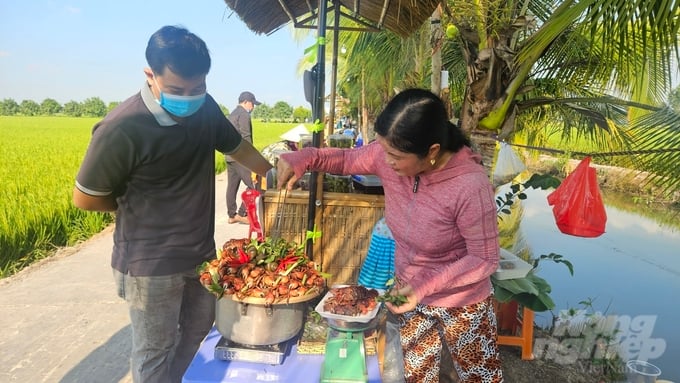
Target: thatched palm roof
x=402, y=17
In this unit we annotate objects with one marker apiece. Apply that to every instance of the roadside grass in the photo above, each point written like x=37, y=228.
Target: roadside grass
x=40, y=156
x=39, y=159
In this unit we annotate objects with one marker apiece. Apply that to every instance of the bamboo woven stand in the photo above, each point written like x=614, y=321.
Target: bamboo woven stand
x=346, y=224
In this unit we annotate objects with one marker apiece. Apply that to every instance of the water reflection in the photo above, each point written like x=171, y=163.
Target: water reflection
x=630, y=271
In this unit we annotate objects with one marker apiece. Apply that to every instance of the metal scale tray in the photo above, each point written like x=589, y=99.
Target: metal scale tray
x=268, y=354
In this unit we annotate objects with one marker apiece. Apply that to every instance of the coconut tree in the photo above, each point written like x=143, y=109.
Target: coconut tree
x=370, y=82
x=380, y=64
x=594, y=68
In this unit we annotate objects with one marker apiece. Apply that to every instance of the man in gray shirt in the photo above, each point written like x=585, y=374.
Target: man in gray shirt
x=237, y=173
x=151, y=160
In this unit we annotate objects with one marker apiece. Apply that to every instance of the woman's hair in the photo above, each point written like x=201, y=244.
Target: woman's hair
x=414, y=120
x=179, y=50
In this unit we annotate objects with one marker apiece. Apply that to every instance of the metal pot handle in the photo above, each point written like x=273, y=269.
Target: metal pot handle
x=244, y=308
x=269, y=310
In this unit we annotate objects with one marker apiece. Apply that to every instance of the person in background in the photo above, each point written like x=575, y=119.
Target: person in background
x=237, y=173
x=349, y=132
x=290, y=141
x=151, y=160
x=440, y=208
x=360, y=140
x=339, y=126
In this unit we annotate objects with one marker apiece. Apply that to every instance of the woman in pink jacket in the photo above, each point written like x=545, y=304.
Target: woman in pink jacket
x=441, y=209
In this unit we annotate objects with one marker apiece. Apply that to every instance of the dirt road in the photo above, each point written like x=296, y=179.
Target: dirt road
x=61, y=319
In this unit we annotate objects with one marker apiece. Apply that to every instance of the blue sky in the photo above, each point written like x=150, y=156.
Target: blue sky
x=77, y=49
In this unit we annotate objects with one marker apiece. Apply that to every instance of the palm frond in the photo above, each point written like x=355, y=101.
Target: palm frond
x=658, y=135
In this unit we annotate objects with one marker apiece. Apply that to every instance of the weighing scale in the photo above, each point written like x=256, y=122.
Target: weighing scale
x=345, y=357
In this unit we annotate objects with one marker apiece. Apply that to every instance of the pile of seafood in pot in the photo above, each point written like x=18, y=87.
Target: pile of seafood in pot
x=274, y=270
x=277, y=271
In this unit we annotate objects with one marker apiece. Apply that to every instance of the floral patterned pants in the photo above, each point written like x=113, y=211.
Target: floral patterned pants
x=468, y=331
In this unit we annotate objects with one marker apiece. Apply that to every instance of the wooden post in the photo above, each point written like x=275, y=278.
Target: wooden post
x=436, y=35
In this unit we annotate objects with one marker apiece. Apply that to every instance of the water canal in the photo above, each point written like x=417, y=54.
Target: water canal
x=631, y=272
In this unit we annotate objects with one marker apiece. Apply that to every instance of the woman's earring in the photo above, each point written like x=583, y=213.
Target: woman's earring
x=432, y=161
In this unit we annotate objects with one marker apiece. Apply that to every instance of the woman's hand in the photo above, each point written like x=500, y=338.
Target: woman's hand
x=410, y=304
x=285, y=175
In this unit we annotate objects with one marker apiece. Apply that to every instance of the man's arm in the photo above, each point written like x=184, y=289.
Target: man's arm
x=92, y=203
x=249, y=157
x=247, y=128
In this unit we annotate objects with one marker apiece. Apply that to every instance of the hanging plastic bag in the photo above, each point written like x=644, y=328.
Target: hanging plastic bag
x=577, y=203
x=251, y=198
x=508, y=165
x=378, y=267
x=393, y=356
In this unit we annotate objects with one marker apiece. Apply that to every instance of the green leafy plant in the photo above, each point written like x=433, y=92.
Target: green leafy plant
x=536, y=181
x=594, y=337
x=530, y=291
x=557, y=258
x=390, y=296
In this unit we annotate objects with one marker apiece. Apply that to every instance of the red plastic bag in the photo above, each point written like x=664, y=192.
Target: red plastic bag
x=249, y=198
x=577, y=203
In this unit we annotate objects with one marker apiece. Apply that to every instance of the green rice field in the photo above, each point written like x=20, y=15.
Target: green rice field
x=39, y=159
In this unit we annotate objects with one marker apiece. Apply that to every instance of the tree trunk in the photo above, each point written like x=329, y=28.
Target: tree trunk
x=481, y=97
x=484, y=144
x=435, y=42
x=364, y=110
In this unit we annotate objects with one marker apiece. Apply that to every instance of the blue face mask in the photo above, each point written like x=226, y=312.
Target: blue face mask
x=180, y=106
